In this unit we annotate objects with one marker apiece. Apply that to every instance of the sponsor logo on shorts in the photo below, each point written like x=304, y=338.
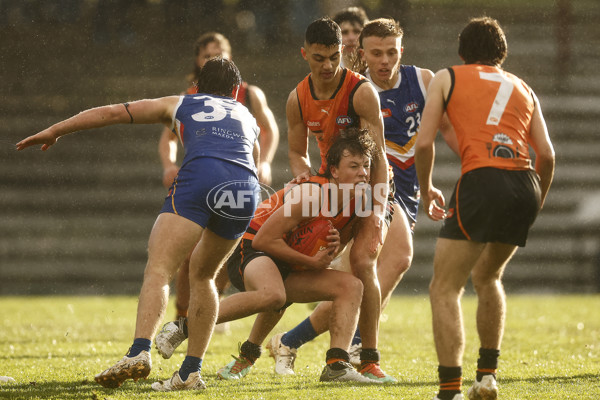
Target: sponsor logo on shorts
x=240, y=200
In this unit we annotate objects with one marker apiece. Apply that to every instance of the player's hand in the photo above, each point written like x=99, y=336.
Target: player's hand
x=433, y=203
x=46, y=138
x=169, y=175
x=322, y=259
x=334, y=241
x=303, y=177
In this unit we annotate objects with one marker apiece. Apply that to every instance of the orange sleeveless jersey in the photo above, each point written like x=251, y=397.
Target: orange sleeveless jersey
x=325, y=118
x=491, y=111
x=273, y=203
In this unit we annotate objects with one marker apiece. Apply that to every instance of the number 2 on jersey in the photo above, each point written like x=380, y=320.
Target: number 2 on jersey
x=502, y=97
x=414, y=123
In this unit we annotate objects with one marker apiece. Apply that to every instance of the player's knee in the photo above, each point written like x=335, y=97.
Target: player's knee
x=363, y=268
x=273, y=300
x=399, y=265
x=485, y=283
x=350, y=287
x=441, y=288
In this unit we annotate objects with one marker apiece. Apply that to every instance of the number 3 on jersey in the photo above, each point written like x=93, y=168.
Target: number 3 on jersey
x=502, y=97
x=215, y=111
x=414, y=123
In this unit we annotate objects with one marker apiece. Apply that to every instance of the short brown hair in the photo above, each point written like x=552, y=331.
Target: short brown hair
x=381, y=27
x=210, y=37
x=356, y=141
x=482, y=41
x=354, y=15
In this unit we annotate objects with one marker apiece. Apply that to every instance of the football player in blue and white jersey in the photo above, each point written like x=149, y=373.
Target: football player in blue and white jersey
x=209, y=207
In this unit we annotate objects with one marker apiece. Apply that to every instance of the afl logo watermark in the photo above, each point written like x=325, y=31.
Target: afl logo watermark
x=343, y=120
x=411, y=107
x=241, y=200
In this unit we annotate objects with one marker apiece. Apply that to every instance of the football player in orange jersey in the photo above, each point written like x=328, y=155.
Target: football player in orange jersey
x=402, y=90
x=260, y=267
x=207, y=46
x=496, y=117
x=327, y=100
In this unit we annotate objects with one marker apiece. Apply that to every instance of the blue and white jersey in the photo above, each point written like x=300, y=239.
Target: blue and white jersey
x=402, y=107
x=217, y=127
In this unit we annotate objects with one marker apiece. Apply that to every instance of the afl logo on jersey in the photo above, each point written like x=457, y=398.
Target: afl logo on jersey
x=411, y=107
x=343, y=120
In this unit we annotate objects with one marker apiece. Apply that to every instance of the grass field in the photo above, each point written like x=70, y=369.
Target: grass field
x=53, y=347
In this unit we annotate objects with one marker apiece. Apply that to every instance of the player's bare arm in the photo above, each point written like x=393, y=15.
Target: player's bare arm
x=432, y=198
x=366, y=104
x=167, y=152
x=270, y=237
x=139, y=112
x=544, y=152
x=297, y=139
x=256, y=152
x=446, y=128
x=269, y=132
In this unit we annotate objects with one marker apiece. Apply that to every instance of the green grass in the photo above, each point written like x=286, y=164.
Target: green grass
x=53, y=347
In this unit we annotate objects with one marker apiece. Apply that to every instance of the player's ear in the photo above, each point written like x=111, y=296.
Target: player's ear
x=361, y=53
x=303, y=52
x=334, y=172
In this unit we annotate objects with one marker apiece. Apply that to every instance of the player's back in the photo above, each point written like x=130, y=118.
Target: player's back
x=215, y=126
x=491, y=111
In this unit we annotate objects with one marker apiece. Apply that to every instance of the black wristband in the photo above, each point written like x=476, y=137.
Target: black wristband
x=127, y=109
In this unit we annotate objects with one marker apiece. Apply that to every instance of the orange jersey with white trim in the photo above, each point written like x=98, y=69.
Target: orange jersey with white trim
x=491, y=111
x=276, y=201
x=325, y=118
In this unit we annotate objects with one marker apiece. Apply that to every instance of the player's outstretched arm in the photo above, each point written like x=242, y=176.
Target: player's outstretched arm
x=139, y=112
x=297, y=139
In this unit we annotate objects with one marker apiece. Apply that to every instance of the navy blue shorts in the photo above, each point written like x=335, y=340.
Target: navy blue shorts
x=493, y=205
x=217, y=195
x=406, y=191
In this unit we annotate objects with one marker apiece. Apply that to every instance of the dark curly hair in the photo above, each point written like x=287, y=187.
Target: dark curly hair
x=323, y=31
x=218, y=76
x=482, y=41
